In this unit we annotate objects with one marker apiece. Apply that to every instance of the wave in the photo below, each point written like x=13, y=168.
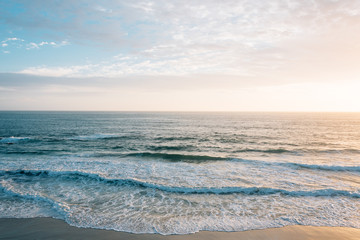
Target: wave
x=171, y=148
x=326, y=167
x=299, y=151
x=170, y=157
x=38, y=152
x=203, y=158
x=177, y=157
x=186, y=190
x=11, y=140
x=338, y=151
x=58, y=206
x=275, y=150
x=335, y=168
x=174, y=138
x=59, y=139
x=94, y=137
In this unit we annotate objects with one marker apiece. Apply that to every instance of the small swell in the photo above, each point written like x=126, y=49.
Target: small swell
x=334, y=168
x=276, y=150
x=187, y=190
x=171, y=148
x=341, y=151
x=299, y=151
x=103, y=136
x=203, y=159
x=11, y=140
x=327, y=167
x=93, y=137
x=174, y=138
x=177, y=157
x=37, y=152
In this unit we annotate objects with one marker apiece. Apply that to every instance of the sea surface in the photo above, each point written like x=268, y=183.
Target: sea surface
x=179, y=173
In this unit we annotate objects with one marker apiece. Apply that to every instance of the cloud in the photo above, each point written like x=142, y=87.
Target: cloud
x=20, y=43
x=144, y=82
x=102, y=9
x=33, y=45
x=56, y=71
x=119, y=22
x=181, y=55
x=12, y=40
x=251, y=39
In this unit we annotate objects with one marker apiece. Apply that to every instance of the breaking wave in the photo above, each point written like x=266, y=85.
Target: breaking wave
x=185, y=190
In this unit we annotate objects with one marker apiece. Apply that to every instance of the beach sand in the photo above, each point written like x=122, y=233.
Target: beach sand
x=48, y=228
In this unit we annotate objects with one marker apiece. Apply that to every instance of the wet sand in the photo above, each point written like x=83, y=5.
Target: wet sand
x=48, y=228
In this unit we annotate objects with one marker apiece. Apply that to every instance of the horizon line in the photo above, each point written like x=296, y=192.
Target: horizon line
x=183, y=111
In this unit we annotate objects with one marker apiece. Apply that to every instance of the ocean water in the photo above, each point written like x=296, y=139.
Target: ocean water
x=179, y=173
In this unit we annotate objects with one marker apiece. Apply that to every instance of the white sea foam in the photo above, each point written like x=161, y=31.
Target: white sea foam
x=181, y=189
x=13, y=139
x=212, y=177
x=17, y=205
x=88, y=202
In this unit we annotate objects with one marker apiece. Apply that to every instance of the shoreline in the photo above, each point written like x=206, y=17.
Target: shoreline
x=50, y=228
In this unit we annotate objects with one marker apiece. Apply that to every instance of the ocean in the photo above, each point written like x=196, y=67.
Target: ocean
x=180, y=173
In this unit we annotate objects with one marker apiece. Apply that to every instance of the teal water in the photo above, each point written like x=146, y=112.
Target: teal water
x=178, y=173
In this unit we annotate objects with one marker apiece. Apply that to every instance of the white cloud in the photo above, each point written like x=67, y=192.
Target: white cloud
x=145, y=6
x=246, y=38
x=61, y=89
x=61, y=44
x=20, y=43
x=102, y=9
x=13, y=39
x=56, y=71
x=32, y=46
x=44, y=43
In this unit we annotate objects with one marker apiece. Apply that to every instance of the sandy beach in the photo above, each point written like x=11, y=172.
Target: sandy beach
x=48, y=228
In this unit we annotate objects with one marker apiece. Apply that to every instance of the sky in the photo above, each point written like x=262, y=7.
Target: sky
x=188, y=55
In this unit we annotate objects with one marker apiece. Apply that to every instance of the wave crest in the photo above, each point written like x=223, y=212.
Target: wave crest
x=187, y=190
x=177, y=157
x=11, y=140
x=94, y=137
